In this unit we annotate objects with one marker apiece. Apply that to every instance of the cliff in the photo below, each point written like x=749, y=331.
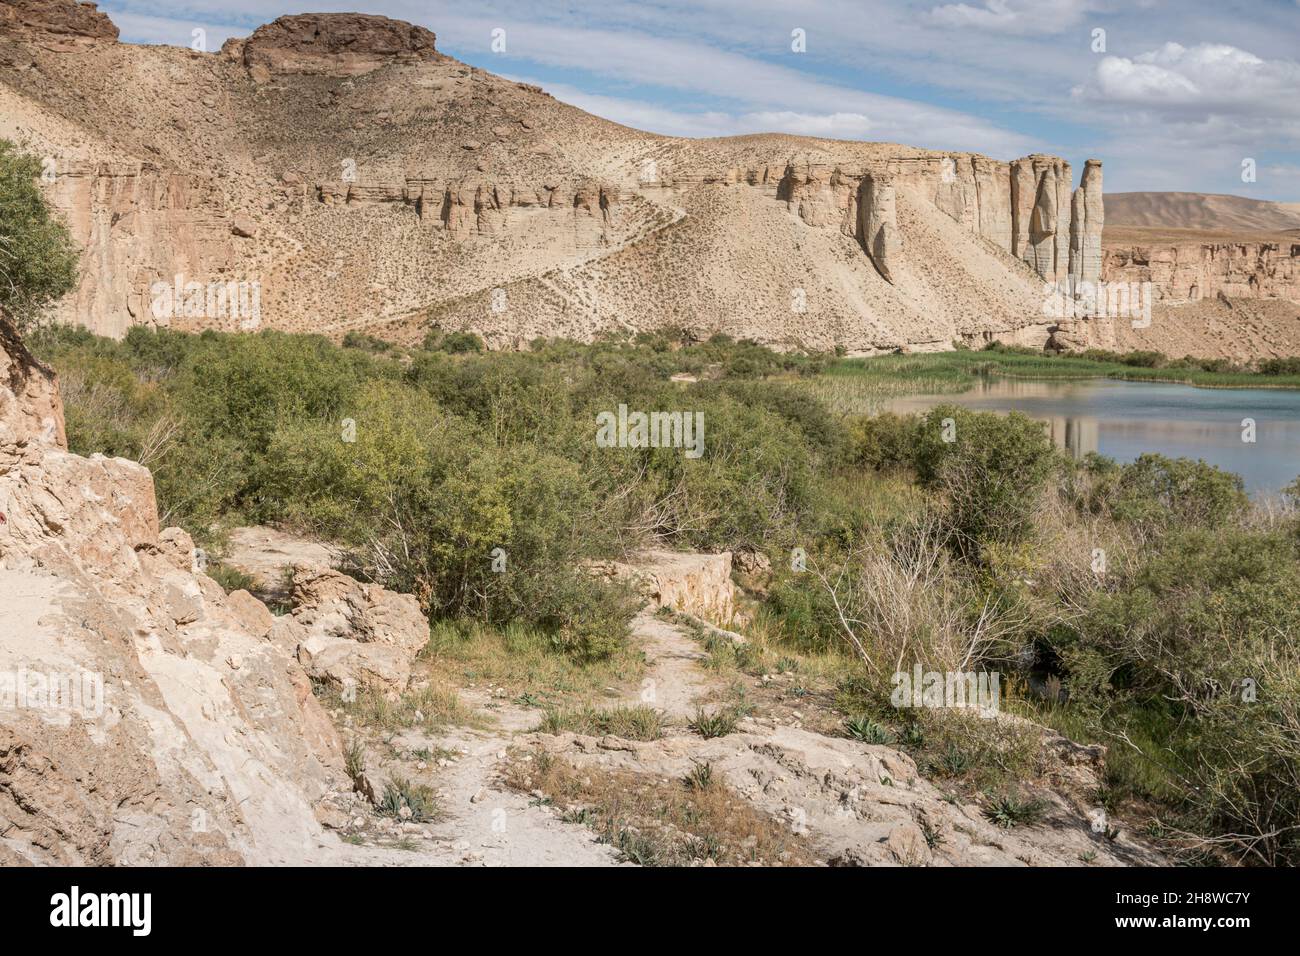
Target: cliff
x=335, y=172
x=143, y=718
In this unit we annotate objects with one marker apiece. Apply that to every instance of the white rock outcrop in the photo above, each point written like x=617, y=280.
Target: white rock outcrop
x=350, y=634
x=143, y=717
x=1087, y=217
x=879, y=223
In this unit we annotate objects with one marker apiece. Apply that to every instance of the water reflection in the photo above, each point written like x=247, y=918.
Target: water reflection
x=1125, y=419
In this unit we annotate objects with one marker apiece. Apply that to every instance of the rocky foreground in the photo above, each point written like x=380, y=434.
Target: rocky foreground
x=187, y=725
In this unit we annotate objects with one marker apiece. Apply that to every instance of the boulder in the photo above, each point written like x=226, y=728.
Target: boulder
x=346, y=633
x=696, y=584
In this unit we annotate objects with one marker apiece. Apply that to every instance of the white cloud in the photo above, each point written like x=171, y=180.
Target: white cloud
x=934, y=129
x=173, y=32
x=1208, y=78
x=1021, y=17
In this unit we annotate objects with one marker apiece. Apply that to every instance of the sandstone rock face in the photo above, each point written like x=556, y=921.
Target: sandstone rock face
x=697, y=584
x=481, y=206
x=1040, y=212
x=1087, y=218
x=141, y=720
x=350, y=634
x=138, y=225
x=879, y=230
x=67, y=20
x=334, y=44
x=31, y=409
x=1186, y=271
x=1024, y=207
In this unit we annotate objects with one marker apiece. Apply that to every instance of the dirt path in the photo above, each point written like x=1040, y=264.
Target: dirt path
x=486, y=824
x=489, y=825
x=675, y=681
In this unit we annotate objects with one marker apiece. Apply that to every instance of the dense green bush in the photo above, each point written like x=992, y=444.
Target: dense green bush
x=1136, y=358
x=1280, y=366
x=1202, y=634
x=38, y=261
x=1156, y=491
x=991, y=468
x=884, y=441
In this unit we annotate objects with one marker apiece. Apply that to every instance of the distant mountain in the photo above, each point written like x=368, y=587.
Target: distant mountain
x=1209, y=211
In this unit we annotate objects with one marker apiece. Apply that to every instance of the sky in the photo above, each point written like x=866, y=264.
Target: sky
x=1170, y=94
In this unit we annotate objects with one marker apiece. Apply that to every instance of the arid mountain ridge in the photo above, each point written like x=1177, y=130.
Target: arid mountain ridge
x=365, y=181
x=335, y=172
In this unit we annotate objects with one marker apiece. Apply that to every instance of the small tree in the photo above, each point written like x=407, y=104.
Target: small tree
x=38, y=262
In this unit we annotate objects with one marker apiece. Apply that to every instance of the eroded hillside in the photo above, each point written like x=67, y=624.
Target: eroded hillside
x=334, y=172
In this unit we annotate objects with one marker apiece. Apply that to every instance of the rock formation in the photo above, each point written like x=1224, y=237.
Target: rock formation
x=333, y=44
x=139, y=225
x=879, y=228
x=1087, y=217
x=376, y=181
x=143, y=718
x=1040, y=214
x=348, y=634
x=696, y=584
x=1185, y=269
x=62, y=23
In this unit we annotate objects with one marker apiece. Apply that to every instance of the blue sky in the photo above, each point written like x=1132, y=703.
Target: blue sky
x=1172, y=95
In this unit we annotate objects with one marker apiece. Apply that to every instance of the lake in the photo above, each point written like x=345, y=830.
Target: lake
x=1124, y=419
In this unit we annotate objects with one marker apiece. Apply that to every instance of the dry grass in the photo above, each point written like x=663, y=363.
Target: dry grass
x=630, y=723
x=525, y=663
x=657, y=822
x=431, y=707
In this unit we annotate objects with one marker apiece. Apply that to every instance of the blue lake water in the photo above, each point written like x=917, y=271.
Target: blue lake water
x=1124, y=419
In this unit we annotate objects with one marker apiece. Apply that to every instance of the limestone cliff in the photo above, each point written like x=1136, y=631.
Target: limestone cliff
x=356, y=179
x=1188, y=269
x=143, y=720
x=1087, y=220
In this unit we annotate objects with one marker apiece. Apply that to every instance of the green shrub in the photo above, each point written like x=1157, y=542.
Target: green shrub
x=867, y=730
x=1156, y=491
x=630, y=723
x=1280, y=366
x=1200, y=641
x=38, y=261
x=418, y=799
x=718, y=723
x=367, y=343
x=884, y=441
x=991, y=472
x=1010, y=810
